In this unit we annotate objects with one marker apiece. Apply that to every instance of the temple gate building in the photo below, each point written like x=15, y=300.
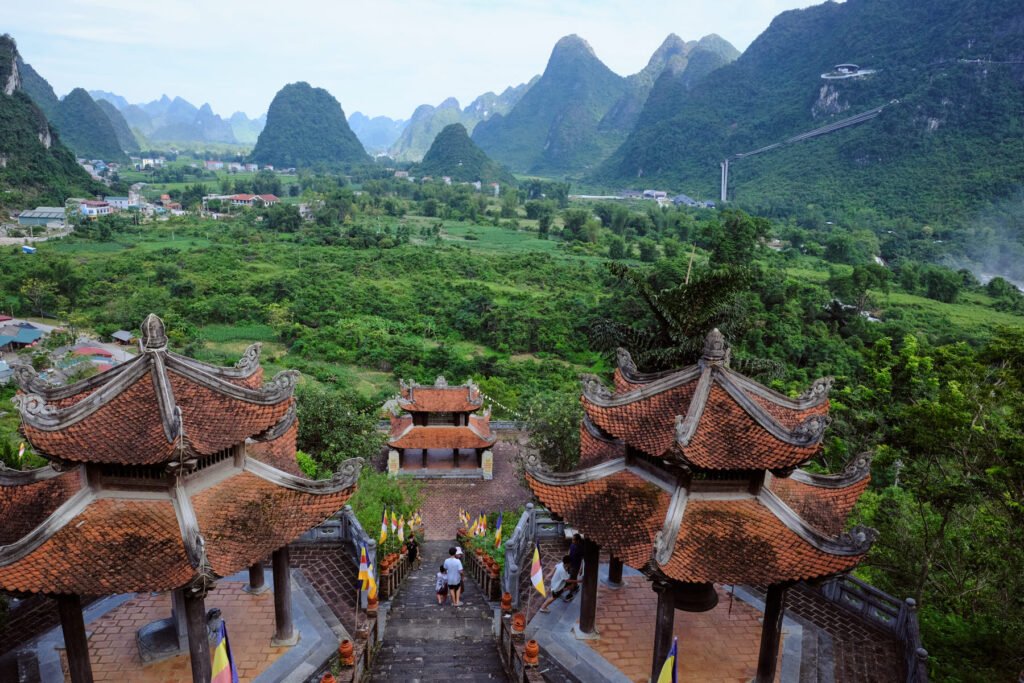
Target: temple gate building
x=424, y=418
x=165, y=474
x=692, y=477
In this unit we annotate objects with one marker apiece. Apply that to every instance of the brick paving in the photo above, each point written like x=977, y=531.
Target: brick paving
x=115, y=657
x=715, y=646
x=863, y=653
x=442, y=498
x=33, y=617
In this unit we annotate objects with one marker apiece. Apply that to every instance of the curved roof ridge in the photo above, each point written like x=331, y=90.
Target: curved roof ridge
x=813, y=396
x=56, y=521
x=30, y=382
x=282, y=426
x=36, y=410
x=245, y=367
x=274, y=391
x=856, y=541
x=686, y=426
x=9, y=477
x=597, y=393
x=856, y=470
x=346, y=476
x=665, y=541
x=489, y=436
x=597, y=432
x=599, y=471
x=807, y=433
x=627, y=366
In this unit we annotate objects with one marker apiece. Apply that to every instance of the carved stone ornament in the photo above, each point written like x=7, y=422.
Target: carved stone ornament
x=250, y=360
x=715, y=348
x=282, y=382
x=819, y=389
x=154, y=336
x=441, y=382
x=811, y=430
x=391, y=405
x=26, y=377
x=348, y=471
x=859, y=466
x=592, y=386
x=625, y=361
x=33, y=404
x=204, y=580
x=532, y=462
x=858, y=538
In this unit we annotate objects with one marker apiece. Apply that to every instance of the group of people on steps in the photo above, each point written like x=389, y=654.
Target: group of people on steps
x=448, y=582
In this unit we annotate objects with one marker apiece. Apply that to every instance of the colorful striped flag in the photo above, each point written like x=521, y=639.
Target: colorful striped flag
x=401, y=529
x=223, y=667
x=384, y=527
x=537, y=571
x=668, y=670
x=497, y=531
x=473, y=529
x=21, y=451
x=366, y=574
x=394, y=522
x=482, y=529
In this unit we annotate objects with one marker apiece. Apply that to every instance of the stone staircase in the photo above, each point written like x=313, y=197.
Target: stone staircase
x=424, y=642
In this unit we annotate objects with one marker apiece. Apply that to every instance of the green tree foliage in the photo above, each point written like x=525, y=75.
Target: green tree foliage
x=553, y=421
x=86, y=129
x=306, y=127
x=335, y=425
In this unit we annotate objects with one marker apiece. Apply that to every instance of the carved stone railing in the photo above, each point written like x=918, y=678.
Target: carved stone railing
x=343, y=527
x=534, y=524
x=511, y=647
x=877, y=607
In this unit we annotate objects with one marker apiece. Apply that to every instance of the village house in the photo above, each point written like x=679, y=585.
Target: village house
x=119, y=203
x=42, y=216
x=211, y=165
x=93, y=209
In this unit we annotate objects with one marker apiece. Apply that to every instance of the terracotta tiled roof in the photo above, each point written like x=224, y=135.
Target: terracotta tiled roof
x=824, y=501
x=98, y=545
x=150, y=408
x=622, y=512
x=732, y=538
x=278, y=452
x=25, y=506
x=741, y=541
x=113, y=546
x=440, y=398
x=596, y=447
x=708, y=415
x=441, y=437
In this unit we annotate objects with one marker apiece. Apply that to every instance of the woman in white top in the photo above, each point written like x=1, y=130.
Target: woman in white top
x=559, y=582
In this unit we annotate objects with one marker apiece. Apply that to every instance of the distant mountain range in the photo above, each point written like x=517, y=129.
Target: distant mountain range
x=376, y=134
x=178, y=120
x=579, y=110
x=427, y=121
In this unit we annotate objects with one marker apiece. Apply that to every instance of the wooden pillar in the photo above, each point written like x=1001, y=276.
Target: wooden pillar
x=771, y=633
x=615, y=572
x=257, y=583
x=588, y=607
x=73, y=624
x=663, y=625
x=455, y=455
x=284, y=631
x=423, y=458
x=198, y=636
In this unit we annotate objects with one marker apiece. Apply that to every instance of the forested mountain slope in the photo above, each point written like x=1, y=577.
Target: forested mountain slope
x=306, y=126
x=952, y=71
x=454, y=155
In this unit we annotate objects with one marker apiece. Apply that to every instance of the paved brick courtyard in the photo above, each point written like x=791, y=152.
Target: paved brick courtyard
x=442, y=498
x=114, y=656
x=717, y=646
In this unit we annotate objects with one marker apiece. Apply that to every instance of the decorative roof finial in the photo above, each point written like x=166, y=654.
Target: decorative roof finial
x=154, y=337
x=714, y=346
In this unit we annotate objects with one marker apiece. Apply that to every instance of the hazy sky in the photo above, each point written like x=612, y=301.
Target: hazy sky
x=380, y=58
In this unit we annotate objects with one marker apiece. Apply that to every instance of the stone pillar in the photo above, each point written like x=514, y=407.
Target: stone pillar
x=77, y=646
x=487, y=464
x=455, y=455
x=284, y=630
x=257, y=583
x=615, y=573
x=198, y=636
x=771, y=633
x=663, y=625
x=394, y=463
x=588, y=607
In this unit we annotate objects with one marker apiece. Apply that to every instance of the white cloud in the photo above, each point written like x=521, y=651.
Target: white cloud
x=383, y=57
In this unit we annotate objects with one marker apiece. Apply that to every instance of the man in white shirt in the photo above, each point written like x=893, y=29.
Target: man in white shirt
x=453, y=567
x=559, y=582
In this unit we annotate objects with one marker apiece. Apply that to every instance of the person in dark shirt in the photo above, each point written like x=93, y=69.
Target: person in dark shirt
x=413, y=547
x=575, y=562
